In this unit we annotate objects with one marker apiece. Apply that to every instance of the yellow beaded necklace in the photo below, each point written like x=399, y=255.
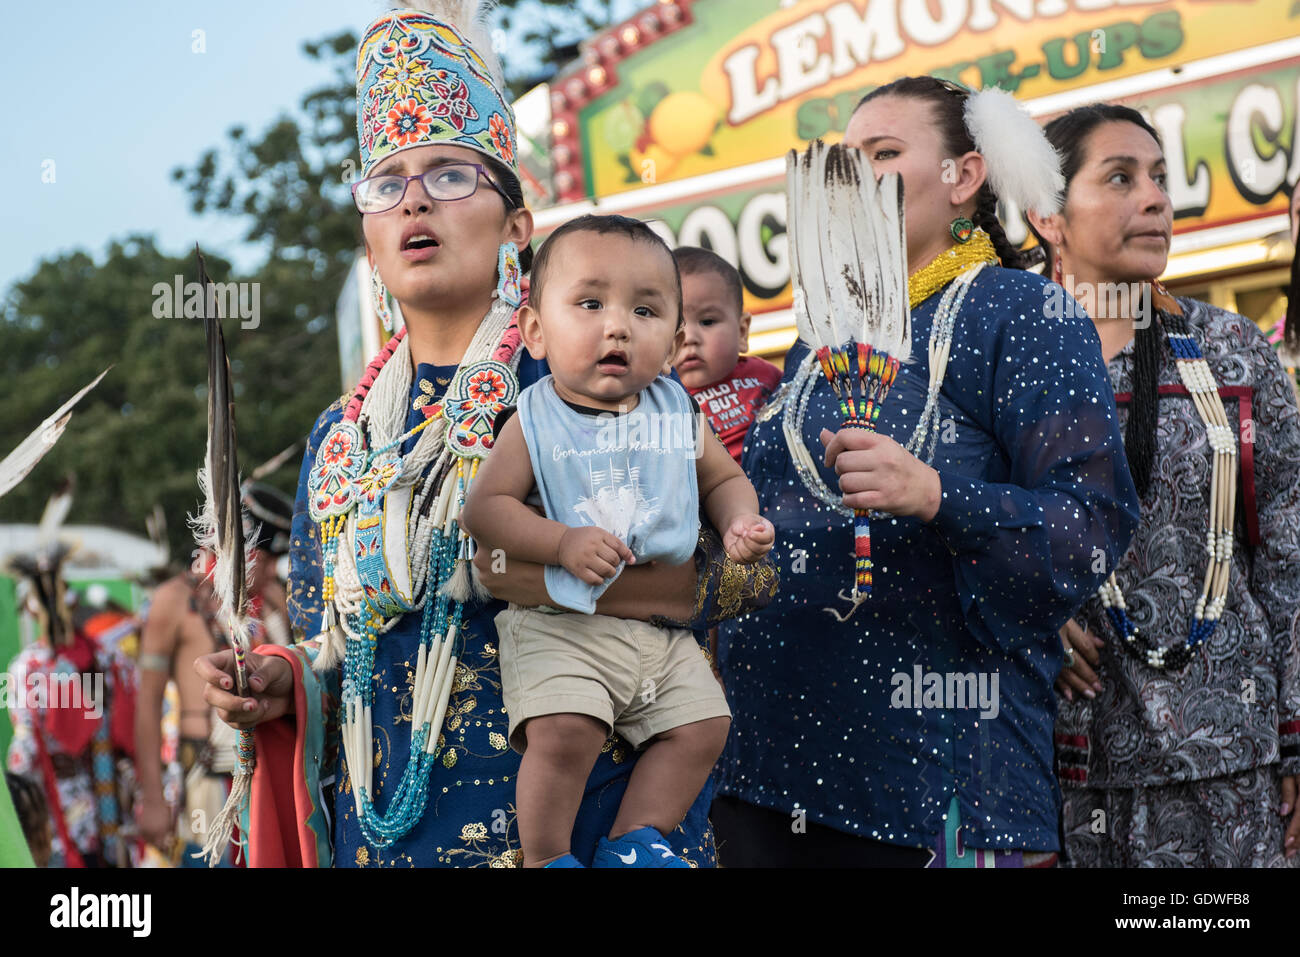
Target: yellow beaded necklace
x=947, y=266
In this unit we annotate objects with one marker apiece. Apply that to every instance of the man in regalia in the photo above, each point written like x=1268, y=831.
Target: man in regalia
x=74, y=690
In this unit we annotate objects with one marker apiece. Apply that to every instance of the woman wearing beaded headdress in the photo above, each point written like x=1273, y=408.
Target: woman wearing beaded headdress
x=918, y=729
x=1182, y=720
x=395, y=710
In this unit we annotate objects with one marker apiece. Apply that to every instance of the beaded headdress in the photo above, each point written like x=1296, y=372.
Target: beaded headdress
x=427, y=74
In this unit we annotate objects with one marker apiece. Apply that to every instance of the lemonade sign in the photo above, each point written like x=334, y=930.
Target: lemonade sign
x=1231, y=145
x=746, y=81
x=652, y=131
x=737, y=83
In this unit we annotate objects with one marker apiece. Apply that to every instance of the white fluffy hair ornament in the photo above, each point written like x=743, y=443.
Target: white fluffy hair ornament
x=1023, y=167
x=470, y=17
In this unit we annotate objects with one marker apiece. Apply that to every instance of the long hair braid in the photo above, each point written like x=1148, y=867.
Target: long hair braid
x=986, y=218
x=1291, y=333
x=1140, y=432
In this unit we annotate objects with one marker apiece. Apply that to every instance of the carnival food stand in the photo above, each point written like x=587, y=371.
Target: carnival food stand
x=681, y=115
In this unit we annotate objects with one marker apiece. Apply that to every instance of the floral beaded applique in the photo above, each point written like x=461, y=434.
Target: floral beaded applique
x=500, y=133
x=404, y=75
x=453, y=102
x=407, y=123
x=476, y=397
x=339, y=463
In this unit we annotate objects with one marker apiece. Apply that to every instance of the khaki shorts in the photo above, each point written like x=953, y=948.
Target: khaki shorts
x=638, y=679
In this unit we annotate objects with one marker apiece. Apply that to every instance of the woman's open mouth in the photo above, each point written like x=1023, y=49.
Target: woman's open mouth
x=419, y=245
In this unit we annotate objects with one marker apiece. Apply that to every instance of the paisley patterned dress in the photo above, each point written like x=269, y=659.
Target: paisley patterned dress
x=1181, y=768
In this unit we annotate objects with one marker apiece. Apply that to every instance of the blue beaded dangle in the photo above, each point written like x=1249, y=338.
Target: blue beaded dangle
x=441, y=618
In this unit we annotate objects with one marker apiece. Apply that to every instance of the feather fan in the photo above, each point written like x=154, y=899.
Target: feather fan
x=219, y=528
x=847, y=251
x=848, y=263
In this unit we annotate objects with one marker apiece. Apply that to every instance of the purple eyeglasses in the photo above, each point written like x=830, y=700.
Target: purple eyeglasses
x=446, y=183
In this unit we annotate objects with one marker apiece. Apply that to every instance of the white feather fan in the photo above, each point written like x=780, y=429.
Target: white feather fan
x=848, y=251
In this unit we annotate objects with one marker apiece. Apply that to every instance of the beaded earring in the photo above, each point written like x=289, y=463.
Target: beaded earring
x=509, y=275
x=380, y=297
x=962, y=229
x=1057, y=275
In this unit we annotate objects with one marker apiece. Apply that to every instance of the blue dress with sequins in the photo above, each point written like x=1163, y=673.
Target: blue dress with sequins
x=829, y=717
x=470, y=817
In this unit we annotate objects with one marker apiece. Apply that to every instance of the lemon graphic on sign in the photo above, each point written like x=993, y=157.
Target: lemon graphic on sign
x=682, y=123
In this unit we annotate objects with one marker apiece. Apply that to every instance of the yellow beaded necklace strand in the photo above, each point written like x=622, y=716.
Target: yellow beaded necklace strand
x=947, y=266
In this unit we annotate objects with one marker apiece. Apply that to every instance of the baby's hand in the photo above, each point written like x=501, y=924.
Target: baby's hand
x=593, y=554
x=748, y=538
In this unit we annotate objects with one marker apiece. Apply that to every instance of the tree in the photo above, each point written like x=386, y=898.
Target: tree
x=139, y=437
x=132, y=441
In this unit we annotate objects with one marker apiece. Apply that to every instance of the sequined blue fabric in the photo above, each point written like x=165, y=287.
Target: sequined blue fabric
x=1037, y=506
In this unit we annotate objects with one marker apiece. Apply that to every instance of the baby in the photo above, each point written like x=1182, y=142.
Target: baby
x=616, y=452
x=730, y=387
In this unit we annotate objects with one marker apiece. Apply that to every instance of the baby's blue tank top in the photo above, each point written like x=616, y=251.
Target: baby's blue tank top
x=632, y=474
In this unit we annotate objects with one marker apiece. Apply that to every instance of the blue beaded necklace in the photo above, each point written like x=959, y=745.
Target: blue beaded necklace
x=442, y=616
x=351, y=484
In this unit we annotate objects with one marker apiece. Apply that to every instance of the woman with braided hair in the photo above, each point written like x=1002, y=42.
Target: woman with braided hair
x=918, y=729
x=1181, y=725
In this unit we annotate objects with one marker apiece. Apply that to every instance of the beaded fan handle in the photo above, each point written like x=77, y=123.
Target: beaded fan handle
x=875, y=373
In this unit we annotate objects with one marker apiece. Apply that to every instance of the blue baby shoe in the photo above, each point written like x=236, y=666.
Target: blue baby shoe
x=644, y=847
x=564, y=860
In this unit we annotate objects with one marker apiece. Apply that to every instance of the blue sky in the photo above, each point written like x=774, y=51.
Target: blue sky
x=112, y=93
